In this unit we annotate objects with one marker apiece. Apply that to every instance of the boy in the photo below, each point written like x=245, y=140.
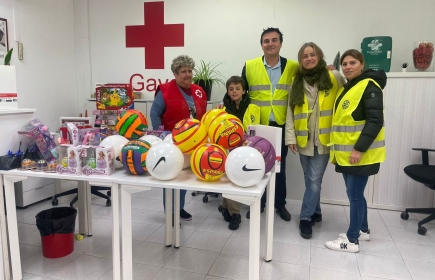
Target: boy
x=238, y=103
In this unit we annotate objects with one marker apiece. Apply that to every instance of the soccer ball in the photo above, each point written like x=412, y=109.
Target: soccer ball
x=226, y=131
x=164, y=161
x=264, y=147
x=151, y=139
x=245, y=166
x=208, y=162
x=117, y=142
x=133, y=156
x=211, y=115
x=189, y=134
x=131, y=124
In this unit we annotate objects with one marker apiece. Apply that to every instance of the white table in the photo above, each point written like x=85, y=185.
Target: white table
x=85, y=210
x=187, y=180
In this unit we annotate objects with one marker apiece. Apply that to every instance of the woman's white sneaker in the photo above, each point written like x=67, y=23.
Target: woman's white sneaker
x=363, y=236
x=342, y=244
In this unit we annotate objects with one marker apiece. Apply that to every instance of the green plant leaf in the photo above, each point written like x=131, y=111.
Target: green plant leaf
x=8, y=57
x=208, y=73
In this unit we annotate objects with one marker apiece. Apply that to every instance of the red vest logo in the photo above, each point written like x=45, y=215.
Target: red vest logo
x=154, y=35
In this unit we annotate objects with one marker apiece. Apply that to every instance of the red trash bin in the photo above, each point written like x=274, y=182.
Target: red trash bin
x=56, y=226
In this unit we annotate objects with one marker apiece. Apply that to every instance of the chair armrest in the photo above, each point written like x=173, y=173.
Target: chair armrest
x=424, y=154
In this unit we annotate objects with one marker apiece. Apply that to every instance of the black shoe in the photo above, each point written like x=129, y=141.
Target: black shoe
x=283, y=213
x=236, y=219
x=316, y=218
x=226, y=214
x=305, y=229
x=248, y=215
x=185, y=216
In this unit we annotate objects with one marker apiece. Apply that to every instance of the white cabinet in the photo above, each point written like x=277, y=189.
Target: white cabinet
x=33, y=190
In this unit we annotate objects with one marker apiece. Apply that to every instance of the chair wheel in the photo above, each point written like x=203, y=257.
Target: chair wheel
x=422, y=230
x=220, y=208
x=54, y=202
x=404, y=216
x=216, y=195
x=193, y=193
x=108, y=202
x=205, y=199
x=109, y=193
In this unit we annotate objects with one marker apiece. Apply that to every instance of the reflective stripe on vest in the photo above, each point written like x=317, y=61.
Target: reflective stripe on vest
x=300, y=116
x=349, y=148
x=326, y=113
x=260, y=89
x=301, y=132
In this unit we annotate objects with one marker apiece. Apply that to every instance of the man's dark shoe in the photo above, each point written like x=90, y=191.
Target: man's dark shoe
x=236, y=219
x=305, y=229
x=283, y=213
x=316, y=218
x=248, y=215
x=226, y=214
x=185, y=216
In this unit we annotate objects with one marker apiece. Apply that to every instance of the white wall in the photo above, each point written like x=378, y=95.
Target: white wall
x=228, y=32
x=46, y=77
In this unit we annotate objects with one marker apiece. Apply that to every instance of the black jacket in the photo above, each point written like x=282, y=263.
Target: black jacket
x=370, y=109
x=230, y=106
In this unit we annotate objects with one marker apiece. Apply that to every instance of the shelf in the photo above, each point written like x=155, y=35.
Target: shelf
x=411, y=75
x=7, y=111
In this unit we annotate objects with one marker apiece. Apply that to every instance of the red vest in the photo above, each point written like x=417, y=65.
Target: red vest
x=176, y=106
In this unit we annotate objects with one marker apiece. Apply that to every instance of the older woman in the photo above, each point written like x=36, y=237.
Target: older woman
x=308, y=125
x=176, y=100
x=358, y=142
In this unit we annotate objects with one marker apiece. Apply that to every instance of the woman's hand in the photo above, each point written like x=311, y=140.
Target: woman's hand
x=293, y=148
x=220, y=106
x=355, y=157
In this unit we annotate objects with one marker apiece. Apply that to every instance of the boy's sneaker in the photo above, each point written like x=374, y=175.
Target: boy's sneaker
x=305, y=229
x=342, y=244
x=226, y=214
x=316, y=218
x=363, y=236
x=185, y=216
x=236, y=219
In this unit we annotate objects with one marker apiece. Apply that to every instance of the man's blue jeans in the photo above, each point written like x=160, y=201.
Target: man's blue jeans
x=355, y=186
x=314, y=167
x=182, y=199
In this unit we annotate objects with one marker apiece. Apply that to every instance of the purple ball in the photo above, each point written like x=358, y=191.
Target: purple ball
x=264, y=147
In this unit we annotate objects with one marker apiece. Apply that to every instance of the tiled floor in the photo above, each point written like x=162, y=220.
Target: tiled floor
x=210, y=251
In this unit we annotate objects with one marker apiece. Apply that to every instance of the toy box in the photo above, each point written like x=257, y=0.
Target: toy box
x=87, y=160
x=114, y=96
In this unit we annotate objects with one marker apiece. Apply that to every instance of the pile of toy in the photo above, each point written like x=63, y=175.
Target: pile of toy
x=212, y=147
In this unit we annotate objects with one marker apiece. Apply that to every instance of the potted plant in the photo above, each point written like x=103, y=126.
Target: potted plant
x=206, y=75
x=404, y=66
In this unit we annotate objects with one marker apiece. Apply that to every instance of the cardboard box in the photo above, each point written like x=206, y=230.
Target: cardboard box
x=114, y=97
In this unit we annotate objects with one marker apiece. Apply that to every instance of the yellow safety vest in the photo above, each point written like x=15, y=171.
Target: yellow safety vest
x=251, y=116
x=346, y=131
x=326, y=99
x=260, y=89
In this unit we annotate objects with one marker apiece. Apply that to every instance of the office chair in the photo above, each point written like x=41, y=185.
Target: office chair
x=205, y=198
x=94, y=190
x=425, y=174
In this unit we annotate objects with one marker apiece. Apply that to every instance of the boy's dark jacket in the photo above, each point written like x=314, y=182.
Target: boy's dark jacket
x=230, y=106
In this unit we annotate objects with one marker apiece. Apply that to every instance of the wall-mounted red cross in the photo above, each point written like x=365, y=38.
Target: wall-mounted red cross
x=154, y=35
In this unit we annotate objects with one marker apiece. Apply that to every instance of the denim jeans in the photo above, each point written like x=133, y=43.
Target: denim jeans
x=355, y=186
x=314, y=167
x=182, y=199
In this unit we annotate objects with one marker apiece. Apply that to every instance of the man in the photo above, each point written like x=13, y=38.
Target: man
x=268, y=79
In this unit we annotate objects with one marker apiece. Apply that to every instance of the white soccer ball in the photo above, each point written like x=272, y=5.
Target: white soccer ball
x=168, y=139
x=117, y=142
x=164, y=161
x=151, y=139
x=245, y=166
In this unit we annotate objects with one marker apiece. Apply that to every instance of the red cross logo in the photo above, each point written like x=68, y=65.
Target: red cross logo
x=154, y=35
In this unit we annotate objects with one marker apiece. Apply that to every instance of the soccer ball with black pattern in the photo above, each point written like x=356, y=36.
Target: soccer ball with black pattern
x=164, y=161
x=245, y=166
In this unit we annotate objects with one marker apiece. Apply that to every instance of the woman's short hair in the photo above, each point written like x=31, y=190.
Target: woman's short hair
x=317, y=50
x=182, y=61
x=353, y=53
